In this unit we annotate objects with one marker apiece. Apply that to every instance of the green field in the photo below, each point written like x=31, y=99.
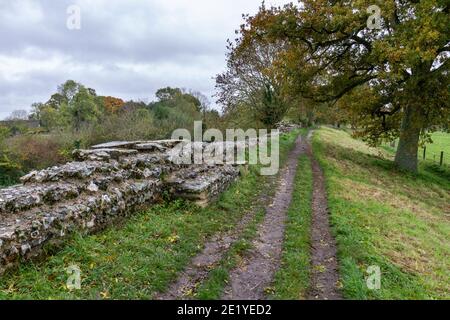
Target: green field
x=382, y=217
x=441, y=143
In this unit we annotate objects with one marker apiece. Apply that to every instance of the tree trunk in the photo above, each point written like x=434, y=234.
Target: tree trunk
x=406, y=157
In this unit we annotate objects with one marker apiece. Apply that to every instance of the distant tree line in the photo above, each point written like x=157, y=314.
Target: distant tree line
x=76, y=116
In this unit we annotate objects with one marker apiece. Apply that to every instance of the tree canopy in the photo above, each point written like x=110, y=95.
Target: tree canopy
x=392, y=80
x=250, y=82
x=72, y=105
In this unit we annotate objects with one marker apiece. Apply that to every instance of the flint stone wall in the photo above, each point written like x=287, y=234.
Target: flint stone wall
x=286, y=127
x=107, y=182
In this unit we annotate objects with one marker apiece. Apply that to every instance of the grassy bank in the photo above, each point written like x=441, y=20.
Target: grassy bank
x=144, y=255
x=382, y=217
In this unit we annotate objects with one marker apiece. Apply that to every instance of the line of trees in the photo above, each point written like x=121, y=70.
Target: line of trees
x=76, y=117
x=77, y=108
x=320, y=59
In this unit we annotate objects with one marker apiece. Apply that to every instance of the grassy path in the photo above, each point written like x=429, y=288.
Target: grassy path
x=214, y=251
x=293, y=277
x=325, y=282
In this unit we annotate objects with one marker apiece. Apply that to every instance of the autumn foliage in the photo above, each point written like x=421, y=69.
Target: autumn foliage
x=390, y=79
x=113, y=104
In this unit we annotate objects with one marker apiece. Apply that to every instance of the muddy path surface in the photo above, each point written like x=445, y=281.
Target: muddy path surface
x=324, y=264
x=251, y=278
x=213, y=252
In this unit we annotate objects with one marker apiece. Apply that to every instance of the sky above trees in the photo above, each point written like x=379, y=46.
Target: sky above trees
x=126, y=49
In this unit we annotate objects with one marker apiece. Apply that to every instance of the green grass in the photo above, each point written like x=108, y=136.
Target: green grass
x=292, y=279
x=379, y=215
x=386, y=218
x=141, y=257
x=213, y=286
x=441, y=142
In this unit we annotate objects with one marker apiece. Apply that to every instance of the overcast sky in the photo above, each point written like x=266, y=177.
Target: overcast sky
x=125, y=48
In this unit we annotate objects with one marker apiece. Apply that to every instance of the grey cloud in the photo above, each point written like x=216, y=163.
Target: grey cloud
x=124, y=48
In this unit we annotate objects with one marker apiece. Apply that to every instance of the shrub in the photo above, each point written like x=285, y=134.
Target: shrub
x=36, y=151
x=10, y=172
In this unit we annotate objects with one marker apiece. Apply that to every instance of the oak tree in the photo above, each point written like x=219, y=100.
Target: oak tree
x=389, y=63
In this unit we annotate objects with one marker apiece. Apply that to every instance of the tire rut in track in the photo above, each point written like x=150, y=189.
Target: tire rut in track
x=214, y=250
x=324, y=283
x=250, y=279
x=256, y=272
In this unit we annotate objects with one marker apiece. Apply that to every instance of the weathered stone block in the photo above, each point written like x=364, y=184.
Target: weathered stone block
x=109, y=182
x=102, y=154
x=202, y=183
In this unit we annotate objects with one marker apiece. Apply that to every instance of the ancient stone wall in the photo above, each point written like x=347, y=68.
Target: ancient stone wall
x=107, y=182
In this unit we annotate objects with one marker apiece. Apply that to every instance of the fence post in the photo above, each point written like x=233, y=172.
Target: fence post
x=442, y=159
x=424, y=152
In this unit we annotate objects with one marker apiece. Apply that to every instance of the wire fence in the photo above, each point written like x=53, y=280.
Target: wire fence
x=440, y=158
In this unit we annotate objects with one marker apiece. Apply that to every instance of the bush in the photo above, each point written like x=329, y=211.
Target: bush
x=133, y=125
x=36, y=151
x=10, y=172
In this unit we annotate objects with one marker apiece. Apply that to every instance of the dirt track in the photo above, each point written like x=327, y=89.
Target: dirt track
x=250, y=279
x=324, y=266
x=255, y=274
x=212, y=253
